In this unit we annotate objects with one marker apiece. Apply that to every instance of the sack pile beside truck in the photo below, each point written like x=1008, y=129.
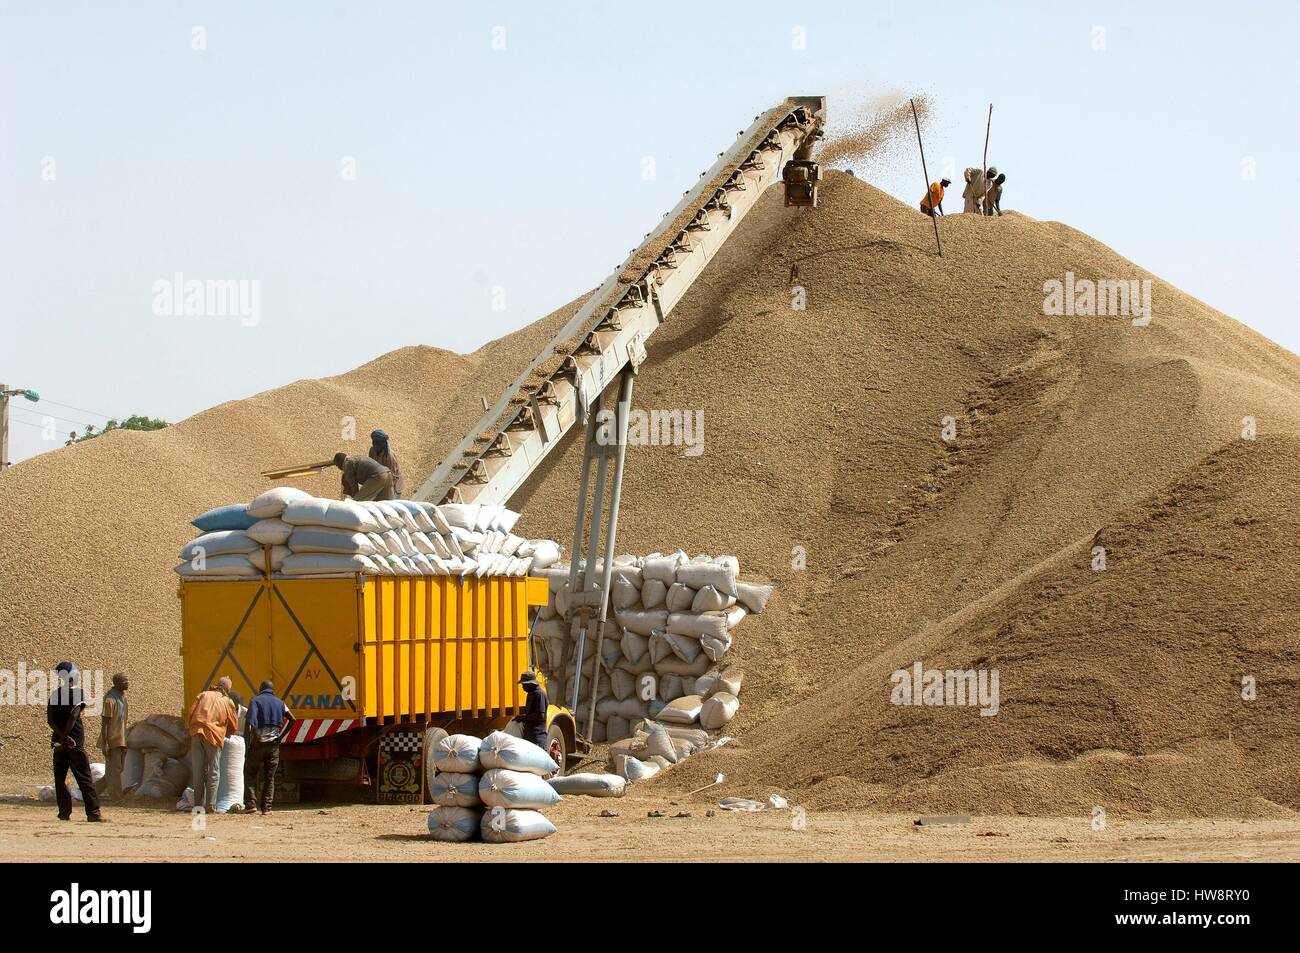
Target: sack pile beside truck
x=670, y=627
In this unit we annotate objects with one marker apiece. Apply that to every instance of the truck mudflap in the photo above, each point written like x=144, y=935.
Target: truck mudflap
x=306, y=730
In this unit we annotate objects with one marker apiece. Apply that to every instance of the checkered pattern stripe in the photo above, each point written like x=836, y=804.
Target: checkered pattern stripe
x=402, y=741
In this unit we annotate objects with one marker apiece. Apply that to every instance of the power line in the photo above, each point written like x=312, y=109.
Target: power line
x=28, y=423
x=95, y=413
x=66, y=420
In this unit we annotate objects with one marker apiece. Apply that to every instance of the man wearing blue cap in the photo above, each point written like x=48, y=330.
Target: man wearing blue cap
x=68, y=739
x=380, y=453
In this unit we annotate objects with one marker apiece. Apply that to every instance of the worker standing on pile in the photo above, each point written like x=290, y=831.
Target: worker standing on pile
x=267, y=721
x=68, y=741
x=364, y=479
x=112, y=737
x=211, y=719
x=977, y=185
x=993, y=199
x=932, y=201
x=533, y=718
x=381, y=454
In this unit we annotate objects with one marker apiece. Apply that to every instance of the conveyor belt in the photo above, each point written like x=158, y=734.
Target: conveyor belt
x=512, y=437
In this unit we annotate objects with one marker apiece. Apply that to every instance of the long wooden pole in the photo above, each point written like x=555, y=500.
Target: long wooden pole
x=987, y=127
x=934, y=216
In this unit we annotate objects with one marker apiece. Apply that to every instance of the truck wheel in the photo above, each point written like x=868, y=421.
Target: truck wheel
x=556, y=749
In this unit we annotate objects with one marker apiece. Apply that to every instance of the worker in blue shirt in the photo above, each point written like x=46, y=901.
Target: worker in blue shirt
x=265, y=724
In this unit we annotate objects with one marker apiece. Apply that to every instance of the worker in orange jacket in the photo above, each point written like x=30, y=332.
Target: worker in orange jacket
x=933, y=200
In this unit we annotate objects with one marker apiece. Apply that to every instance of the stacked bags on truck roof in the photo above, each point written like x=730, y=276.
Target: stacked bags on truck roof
x=492, y=789
x=671, y=625
x=292, y=534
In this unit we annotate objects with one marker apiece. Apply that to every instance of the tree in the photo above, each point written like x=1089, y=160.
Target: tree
x=134, y=422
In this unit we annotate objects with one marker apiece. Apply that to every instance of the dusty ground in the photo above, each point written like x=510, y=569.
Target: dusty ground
x=354, y=832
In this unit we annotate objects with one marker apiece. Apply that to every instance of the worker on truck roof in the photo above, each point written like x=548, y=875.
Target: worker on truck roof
x=533, y=718
x=364, y=479
x=933, y=200
x=380, y=453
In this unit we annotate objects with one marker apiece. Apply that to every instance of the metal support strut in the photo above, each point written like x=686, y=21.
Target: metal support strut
x=591, y=603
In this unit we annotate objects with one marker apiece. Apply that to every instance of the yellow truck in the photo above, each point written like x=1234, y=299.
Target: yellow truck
x=375, y=668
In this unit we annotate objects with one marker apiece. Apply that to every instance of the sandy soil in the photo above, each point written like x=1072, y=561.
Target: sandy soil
x=29, y=832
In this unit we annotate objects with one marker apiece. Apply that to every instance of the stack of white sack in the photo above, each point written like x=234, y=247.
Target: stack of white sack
x=671, y=625
x=656, y=746
x=230, y=779
x=292, y=534
x=157, y=761
x=45, y=792
x=491, y=789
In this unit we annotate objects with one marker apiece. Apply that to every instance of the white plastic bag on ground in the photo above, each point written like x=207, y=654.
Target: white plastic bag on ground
x=458, y=754
x=230, y=774
x=590, y=785
x=500, y=787
x=454, y=824
x=505, y=826
x=500, y=750
x=452, y=789
x=718, y=710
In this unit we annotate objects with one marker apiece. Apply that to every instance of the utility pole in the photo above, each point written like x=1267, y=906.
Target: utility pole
x=5, y=394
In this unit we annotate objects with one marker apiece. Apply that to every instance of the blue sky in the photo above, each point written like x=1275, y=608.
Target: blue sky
x=130, y=155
